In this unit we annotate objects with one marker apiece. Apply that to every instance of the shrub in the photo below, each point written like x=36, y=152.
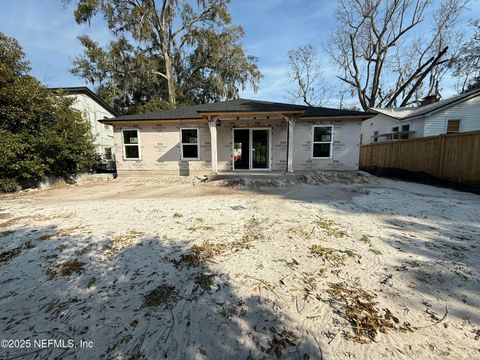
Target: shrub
x=41, y=134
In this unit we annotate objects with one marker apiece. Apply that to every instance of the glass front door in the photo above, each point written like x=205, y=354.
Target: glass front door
x=241, y=149
x=251, y=149
x=260, y=147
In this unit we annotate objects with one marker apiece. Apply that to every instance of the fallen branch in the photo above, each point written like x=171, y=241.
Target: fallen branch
x=267, y=285
x=338, y=332
x=435, y=323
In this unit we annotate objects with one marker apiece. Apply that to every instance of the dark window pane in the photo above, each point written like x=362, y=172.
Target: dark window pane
x=108, y=153
x=453, y=126
x=131, y=152
x=190, y=151
x=321, y=150
x=130, y=137
x=260, y=149
x=241, y=155
x=189, y=136
x=322, y=134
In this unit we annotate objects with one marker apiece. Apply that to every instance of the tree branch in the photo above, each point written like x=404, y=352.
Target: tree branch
x=420, y=79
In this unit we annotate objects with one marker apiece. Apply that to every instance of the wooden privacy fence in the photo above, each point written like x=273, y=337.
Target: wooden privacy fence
x=453, y=156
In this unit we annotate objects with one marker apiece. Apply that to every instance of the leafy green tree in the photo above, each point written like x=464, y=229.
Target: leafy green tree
x=41, y=134
x=124, y=76
x=165, y=51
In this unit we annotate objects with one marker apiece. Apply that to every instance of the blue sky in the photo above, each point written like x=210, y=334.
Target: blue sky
x=48, y=33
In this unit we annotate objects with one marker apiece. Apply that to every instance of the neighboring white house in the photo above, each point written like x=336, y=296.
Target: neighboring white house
x=460, y=113
x=94, y=109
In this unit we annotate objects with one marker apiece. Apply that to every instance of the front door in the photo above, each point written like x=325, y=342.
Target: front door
x=260, y=148
x=241, y=149
x=251, y=149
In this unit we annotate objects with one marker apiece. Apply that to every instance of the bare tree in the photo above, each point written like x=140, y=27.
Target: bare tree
x=466, y=65
x=305, y=72
x=379, y=55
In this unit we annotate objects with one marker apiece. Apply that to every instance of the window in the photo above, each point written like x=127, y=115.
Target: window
x=322, y=142
x=189, y=142
x=453, y=126
x=131, y=144
x=395, y=132
x=375, y=136
x=405, y=131
x=108, y=153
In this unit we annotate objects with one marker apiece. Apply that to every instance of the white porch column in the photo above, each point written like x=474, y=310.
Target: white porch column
x=212, y=123
x=291, y=123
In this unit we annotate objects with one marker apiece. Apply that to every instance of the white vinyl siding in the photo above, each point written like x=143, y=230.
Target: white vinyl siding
x=468, y=112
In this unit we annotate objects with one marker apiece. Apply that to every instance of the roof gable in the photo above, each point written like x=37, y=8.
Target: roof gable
x=414, y=112
x=86, y=91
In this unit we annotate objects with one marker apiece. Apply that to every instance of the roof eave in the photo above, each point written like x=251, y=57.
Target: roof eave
x=114, y=121
x=85, y=90
x=346, y=117
x=248, y=112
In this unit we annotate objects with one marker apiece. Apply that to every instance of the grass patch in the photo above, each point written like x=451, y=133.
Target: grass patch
x=61, y=233
x=280, y=342
x=5, y=216
x=66, y=268
x=199, y=255
x=10, y=254
x=120, y=242
x=11, y=222
x=366, y=239
x=361, y=310
x=6, y=233
x=330, y=227
x=299, y=231
x=201, y=227
x=15, y=220
x=252, y=233
x=205, y=281
x=91, y=282
x=164, y=295
x=334, y=256
x=374, y=250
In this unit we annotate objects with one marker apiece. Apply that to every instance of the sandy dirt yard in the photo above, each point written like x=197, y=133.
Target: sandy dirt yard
x=174, y=268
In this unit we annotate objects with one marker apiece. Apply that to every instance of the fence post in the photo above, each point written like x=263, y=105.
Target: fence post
x=441, y=161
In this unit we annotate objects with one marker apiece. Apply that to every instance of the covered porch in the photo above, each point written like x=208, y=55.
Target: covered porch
x=255, y=143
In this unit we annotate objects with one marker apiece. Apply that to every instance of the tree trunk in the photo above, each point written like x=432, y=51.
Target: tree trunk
x=172, y=97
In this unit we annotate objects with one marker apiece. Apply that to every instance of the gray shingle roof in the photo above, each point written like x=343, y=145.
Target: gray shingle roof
x=237, y=106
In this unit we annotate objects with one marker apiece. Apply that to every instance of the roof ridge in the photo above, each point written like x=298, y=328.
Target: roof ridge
x=410, y=112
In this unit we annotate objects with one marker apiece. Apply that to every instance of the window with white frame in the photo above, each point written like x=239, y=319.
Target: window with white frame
x=395, y=131
x=189, y=143
x=322, y=141
x=405, y=131
x=131, y=144
x=453, y=126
